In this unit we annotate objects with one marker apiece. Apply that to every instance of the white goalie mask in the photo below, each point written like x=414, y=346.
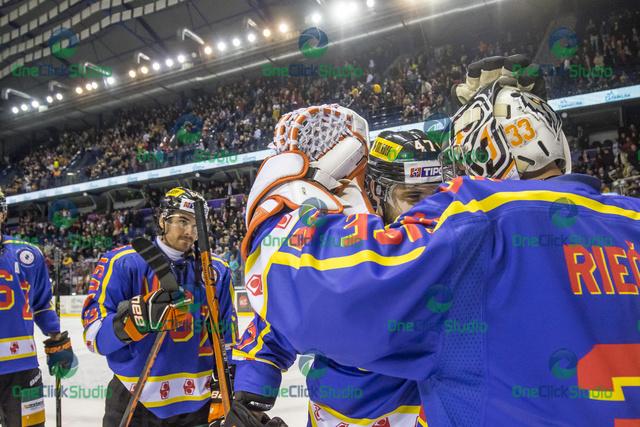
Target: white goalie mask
x=504, y=132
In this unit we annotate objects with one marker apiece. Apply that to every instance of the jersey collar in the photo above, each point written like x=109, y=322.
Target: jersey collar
x=573, y=178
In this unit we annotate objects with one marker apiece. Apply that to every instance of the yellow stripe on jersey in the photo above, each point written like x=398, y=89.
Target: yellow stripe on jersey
x=176, y=399
x=17, y=356
x=241, y=354
x=166, y=377
x=405, y=409
x=105, y=282
x=499, y=199
x=307, y=260
x=16, y=338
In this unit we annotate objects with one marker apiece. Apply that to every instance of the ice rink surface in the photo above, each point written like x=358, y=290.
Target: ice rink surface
x=93, y=373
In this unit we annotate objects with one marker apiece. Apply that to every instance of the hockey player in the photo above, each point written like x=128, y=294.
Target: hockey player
x=510, y=302
x=25, y=298
x=178, y=391
x=341, y=394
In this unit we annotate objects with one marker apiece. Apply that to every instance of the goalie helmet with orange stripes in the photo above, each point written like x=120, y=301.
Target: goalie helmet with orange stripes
x=403, y=168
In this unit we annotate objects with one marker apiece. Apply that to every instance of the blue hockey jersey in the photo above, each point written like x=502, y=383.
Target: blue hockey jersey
x=25, y=297
x=337, y=394
x=511, y=303
x=179, y=381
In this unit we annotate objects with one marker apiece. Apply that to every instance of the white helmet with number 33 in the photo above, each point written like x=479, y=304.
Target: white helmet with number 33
x=519, y=132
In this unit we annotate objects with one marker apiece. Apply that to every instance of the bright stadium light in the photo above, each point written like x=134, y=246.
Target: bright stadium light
x=181, y=58
x=208, y=50
x=35, y=104
x=59, y=95
x=283, y=28
x=88, y=86
x=251, y=37
x=49, y=99
x=15, y=110
x=94, y=85
x=236, y=42
x=222, y=46
x=24, y=107
x=370, y=3
x=169, y=62
x=110, y=80
x=132, y=73
x=156, y=66
x=316, y=18
x=266, y=32
x=78, y=90
x=144, y=70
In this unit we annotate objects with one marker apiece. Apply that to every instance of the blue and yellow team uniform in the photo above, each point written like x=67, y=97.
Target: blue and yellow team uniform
x=25, y=297
x=179, y=380
x=510, y=303
x=337, y=394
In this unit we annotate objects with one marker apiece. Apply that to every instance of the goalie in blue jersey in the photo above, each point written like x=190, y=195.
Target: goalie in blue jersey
x=465, y=293
x=341, y=394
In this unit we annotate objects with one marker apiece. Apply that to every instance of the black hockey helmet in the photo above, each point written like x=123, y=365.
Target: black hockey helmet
x=406, y=157
x=179, y=199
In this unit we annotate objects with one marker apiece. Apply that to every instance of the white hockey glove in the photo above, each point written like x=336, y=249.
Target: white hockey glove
x=321, y=152
x=515, y=70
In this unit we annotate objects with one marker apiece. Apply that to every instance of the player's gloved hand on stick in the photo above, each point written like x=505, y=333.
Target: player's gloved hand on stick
x=515, y=70
x=157, y=311
x=60, y=358
x=241, y=416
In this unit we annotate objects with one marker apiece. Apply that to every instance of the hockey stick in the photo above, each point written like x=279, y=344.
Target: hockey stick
x=222, y=366
x=161, y=269
x=56, y=260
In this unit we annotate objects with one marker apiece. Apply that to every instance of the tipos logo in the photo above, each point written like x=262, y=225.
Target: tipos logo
x=563, y=364
x=56, y=43
x=439, y=298
x=304, y=43
x=556, y=211
x=556, y=39
x=313, y=364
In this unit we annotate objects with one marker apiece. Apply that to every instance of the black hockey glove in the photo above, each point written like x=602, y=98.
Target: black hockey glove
x=60, y=358
x=251, y=402
x=157, y=311
x=241, y=416
x=515, y=70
